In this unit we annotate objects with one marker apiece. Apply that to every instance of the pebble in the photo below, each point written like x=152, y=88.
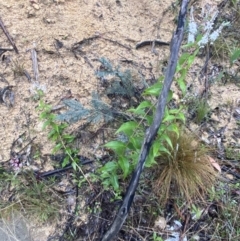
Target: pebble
x=31, y=13
x=160, y=223
x=36, y=6
x=59, y=1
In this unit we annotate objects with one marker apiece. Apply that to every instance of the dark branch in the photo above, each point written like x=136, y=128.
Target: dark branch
x=152, y=131
x=8, y=36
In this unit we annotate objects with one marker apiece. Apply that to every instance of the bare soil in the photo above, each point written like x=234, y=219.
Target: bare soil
x=70, y=36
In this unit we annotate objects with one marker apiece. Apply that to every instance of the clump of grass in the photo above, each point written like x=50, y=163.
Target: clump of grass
x=186, y=171
x=18, y=68
x=221, y=49
x=225, y=198
x=201, y=110
x=35, y=197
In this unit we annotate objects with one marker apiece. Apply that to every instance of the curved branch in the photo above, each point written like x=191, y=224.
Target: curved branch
x=152, y=131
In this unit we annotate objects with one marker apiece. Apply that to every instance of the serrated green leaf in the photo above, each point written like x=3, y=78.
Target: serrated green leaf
x=183, y=73
x=150, y=161
x=109, y=167
x=135, y=143
x=144, y=104
x=125, y=166
x=140, y=110
x=165, y=137
x=163, y=149
x=55, y=127
x=149, y=119
x=128, y=128
x=174, y=128
x=170, y=95
x=235, y=56
x=45, y=124
x=174, y=111
x=65, y=161
x=169, y=118
x=117, y=146
x=57, y=147
x=180, y=116
x=114, y=182
x=155, y=147
x=53, y=135
x=154, y=89
x=68, y=138
x=182, y=84
x=74, y=166
x=187, y=46
x=190, y=60
x=183, y=58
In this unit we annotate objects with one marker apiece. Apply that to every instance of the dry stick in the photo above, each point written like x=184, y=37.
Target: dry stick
x=152, y=131
x=35, y=64
x=151, y=42
x=8, y=36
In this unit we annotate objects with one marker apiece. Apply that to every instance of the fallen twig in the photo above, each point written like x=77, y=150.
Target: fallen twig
x=35, y=64
x=150, y=42
x=116, y=42
x=3, y=50
x=60, y=170
x=8, y=36
x=152, y=131
x=7, y=96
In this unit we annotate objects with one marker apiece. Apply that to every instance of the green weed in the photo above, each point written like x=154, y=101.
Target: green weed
x=36, y=198
x=62, y=140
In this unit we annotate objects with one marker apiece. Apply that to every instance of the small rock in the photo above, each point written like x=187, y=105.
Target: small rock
x=31, y=13
x=36, y=6
x=236, y=134
x=160, y=223
x=229, y=176
x=48, y=21
x=49, y=48
x=59, y=1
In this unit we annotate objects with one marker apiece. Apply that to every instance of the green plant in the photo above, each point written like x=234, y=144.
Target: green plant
x=201, y=110
x=197, y=212
x=227, y=224
x=62, y=140
x=37, y=95
x=127, y=148
x=184, y=63
x=38, y=197
x=156, y=237
x=232, y=153
x=222, y=48
x=35, y=197
x=57, y=134
x=235, y=55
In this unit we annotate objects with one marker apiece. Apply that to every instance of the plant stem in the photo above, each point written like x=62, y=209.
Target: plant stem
x=70, y=156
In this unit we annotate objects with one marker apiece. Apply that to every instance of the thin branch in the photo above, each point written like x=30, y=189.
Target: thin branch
x=35, y=65
x=8, y=36
x=152, y=131
x=151, y=42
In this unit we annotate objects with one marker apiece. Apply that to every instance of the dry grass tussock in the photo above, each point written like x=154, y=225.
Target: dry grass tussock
x=186, y=172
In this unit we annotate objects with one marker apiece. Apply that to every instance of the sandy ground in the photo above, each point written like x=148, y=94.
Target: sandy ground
x=39, y=24
x=36, y=24
x=118, y=25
